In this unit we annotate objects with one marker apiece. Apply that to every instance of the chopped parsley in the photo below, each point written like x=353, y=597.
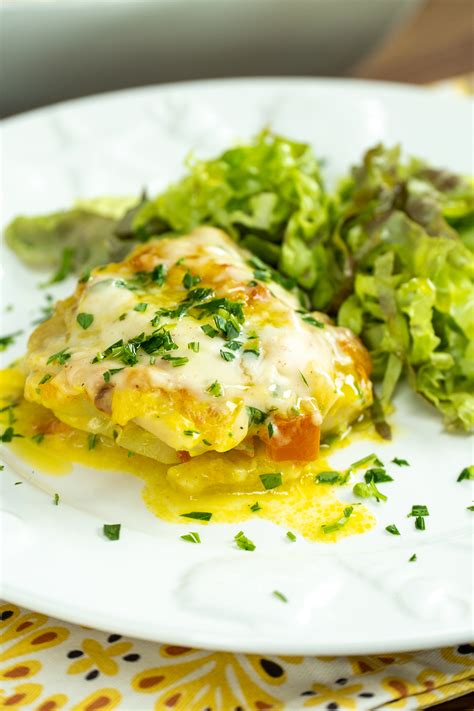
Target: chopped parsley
x=112, y=531
x=176, y=361
x=8, y=435
x=256, y=416
x=60, y=357
x=412, y=559
x=226, y=355
x=392, y=529
x=38, y=438
x=291, y=536
x=271, y=430
x=91, y=441
x=280, y=596
x=340, y=523
x=56, y=499
x=467, y=473
x=215, y=389
x=8, y=340
x=313, y=321
x=190, y=280
x=158, y=275
x=329, y=477
x=209, y=331
x=198, y=515
x=84, y=320
x=108, y=373
x=378, y=475
x=192, y=537
x=45, y=379
x=243, y=542
x=255, y=507
x=400, y=463
x=141, y=307
x=194, y=346
x=272, y=480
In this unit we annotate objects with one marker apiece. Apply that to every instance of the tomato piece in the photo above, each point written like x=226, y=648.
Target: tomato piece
x=296, y=439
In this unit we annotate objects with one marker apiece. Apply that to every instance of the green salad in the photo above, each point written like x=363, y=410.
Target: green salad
x=388, y=253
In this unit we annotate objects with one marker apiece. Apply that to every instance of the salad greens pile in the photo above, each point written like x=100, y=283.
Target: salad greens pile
x=387, y=254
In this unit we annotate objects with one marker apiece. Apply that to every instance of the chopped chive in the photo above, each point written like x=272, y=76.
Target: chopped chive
x=470, y=508
x=369, y=459
x=56, y=500
x=291, y=536
x=419, y=510
x=329, y=477
x=313, y=321
x=412, y=559
x=45, y=379
x=158, y=275
x=467, y=473
x=84, y=320
x=38, y=438
x=141, y=307
x=280, y=596
x=176, y=361
x=400, y=463
x=9, y=434
x=108, y=373
x=337, y=525
x=420, y=523
x=272, y=480
x=207, y=443
x=191, y=433
x=255, y=507
x=198, y=515
x=60, y=357
x=192, y=537
x=112, y=531
x=243, y=542
x=271, y=430
x=193, y=346
x=209, y=331
x=190, y=280
x=122, y=317
x=392, y=529
x=91, y=441
x=226, y=355
x=215, y=389
x=303, y=379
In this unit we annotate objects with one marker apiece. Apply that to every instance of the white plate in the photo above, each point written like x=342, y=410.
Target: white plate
x=358, y=596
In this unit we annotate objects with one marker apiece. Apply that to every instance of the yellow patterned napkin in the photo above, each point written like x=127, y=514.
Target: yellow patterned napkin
x=48, y=665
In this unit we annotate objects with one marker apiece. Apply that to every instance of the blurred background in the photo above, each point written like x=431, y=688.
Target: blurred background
x=52, y=50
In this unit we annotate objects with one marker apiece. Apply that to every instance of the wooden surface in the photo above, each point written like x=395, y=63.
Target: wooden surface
x=436, y=44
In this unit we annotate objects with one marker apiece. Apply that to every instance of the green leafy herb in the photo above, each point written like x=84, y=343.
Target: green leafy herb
x=9, y=434
x=243, y=542
x=207, y=443
x=193, y=346
x=215, y=389
x=38, y=438
x=400, y=462
x=158, y=275
x=141, y=307
x=61, y=357
x=392, y=529
x=271, y=430
x=176, y=361
x=256, y=416
x=84, y=320
x=227, y=355
x=365, y=461
x=198, y=515
x=377, y=474
x=209, y=331
x=280, y=596
x=303, y=379
x=189, y=280
x=329, y=477
x=6, y=341
x=271, y=481
x=340, y=523
x=191, y=433
x=412, y=559
x=112, y=531
x=291, y=536
x=467, y=473
x=91, y=441
x=45, y=379
x=108, y=373
x=313, y=321
x=419, y=510
x=420, y=523
x=367, y=490
x=56, y=500
x=192, y=537
x=255, y=507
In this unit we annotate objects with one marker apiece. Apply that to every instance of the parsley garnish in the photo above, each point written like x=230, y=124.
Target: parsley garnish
x=255, y=507
x=215, y=389
x=470, y=508
x=198, y=515
x=392, y=529
x=303, y=379
x=45, y=379
x=141, y=307
x=291, y=536
x=329, y=477
x=337, y=525
x=280, y=596
x=108, y=373
x=227, y=355
x=209, y=331
x=6, y=341
x=419, y=510
x=61, y=357
x=56, y=500
x=158, y=275
x=192, y=537
x=271, y=481
x=243, y=542
x=377, y=474
x=400, y=463
x=189, y=280
x=176, y=361
x=256, y=416
x=271, y=430
x=84, y=320
x=194, y=346
x=112, y=531
x=38, y=438
x=207, y=443
x=91, y=441
x=8, y=435
x=412, y=559
x=467, y=473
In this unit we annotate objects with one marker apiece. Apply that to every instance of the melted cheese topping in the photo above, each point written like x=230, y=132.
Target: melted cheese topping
x=277, y=360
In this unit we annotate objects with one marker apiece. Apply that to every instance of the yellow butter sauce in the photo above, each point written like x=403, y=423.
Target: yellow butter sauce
x=301, y=506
